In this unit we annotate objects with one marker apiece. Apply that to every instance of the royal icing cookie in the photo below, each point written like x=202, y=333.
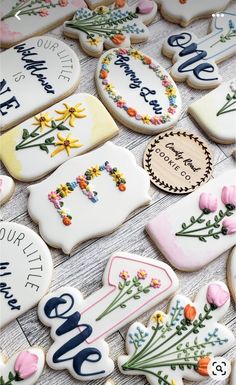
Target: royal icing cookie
x=181, y=343
x=41, y=66
x=200, y=227
x=183, y=12
x=231, y=273
x=111, y=27
x=138, y=91
x=35, y=17
x=69, y=128
x=218, y=120
x=131, y=286
x=25, y=270
x=69, y=205
x=233, y=373
x=7, y=188
x=195, y=60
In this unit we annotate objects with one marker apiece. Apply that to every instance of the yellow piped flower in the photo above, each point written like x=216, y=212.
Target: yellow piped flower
x=94, y=171
x=173, y=382
x=158, y=317
x=72, y=113
x=65, y=144
x=146, y=119
x=106, y=60
x=94, y=40
x=117, y=176
x=42, y=120
x=135, y=54
x=64, y=191
x=102, y=10
x=171, y=92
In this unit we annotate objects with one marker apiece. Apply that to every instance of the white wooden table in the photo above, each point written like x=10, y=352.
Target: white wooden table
x=85, y=266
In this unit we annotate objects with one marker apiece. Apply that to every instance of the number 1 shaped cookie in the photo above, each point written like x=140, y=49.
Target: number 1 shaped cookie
x=79, y=327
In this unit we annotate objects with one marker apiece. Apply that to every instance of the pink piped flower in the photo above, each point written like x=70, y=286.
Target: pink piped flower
x=63, y=3
x=120, y=103
x=208, y=203
x=122, y=51
x=142, y=274
x=229, y=226
x=156, y=120
x=138, y=117
x=26, y=365
x=47, y=1
x=228, y=197
x=171, y=110
x=216, y=295
x=124, y=275
x=166, y=83
x=54, y=196
x=43, y=12
x=155, y=283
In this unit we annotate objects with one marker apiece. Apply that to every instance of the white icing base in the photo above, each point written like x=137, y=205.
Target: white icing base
x=7, y=188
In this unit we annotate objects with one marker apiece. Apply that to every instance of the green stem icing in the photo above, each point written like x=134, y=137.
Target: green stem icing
x=226, y=107
x=226, y=37
x=26, y=8
x=11, y=378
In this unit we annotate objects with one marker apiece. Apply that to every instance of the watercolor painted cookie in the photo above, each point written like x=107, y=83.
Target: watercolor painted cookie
x=41, y=66
x=195, y=60
x=7, y=188
x=111, y=27
x=35, y=17
x=25, y=270
x=69, y=205
x=138, y=91
x=183, y=12
x=231, y=273
x=180, y=344
x=79, y=327
x=200, y=227
x=233, y=373
x=24, y=367
x=218, y=120
x=69, y=128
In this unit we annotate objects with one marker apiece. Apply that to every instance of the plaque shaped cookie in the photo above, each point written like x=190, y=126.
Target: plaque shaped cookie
x=178, y=162
x=43, y=142
x=183, y=12
x=7, y=187
x=111, y=27
x=231, y=273
x=24, y=367
x=79, y=327
x=25, y=270
x=43, y=71
x=195, y=60
x=179, y=345
x=218, y=120
x=200, y=227
x=88, y=196
x=138, y=91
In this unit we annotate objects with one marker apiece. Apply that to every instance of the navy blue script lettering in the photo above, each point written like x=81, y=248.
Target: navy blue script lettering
x=10, y=102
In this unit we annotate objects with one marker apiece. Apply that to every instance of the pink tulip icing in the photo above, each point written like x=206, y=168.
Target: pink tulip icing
x=145, y=6
x=208, y=202
x=216, y=295
x=228, y=195
x=230, y=225
x=26, y=364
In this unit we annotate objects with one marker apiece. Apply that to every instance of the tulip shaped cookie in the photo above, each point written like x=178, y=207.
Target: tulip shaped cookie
x=88, y=196
x=24, y=367
x=79, y=327
x=195, y=60
x=7, y=187
x=231, y=273
x=179, y=345
x=200, y=227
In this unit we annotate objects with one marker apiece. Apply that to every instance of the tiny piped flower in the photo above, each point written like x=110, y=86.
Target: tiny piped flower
x=228, y=197
x=208, y=203
x=229, y=226
x=155, y=283
x=202, y=366
x=189, y=313
x=26, y=365
x=124, y=275
x=158, y=317
x=142, y=274
x=216, y=295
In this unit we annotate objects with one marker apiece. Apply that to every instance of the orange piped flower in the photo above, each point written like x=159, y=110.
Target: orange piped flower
x=131, y=112
x=190, y=312
x=103, y=74
x=147, y=60
x=202, y=366
x=120, y=3
x=183, y=1
x=118, y=39
x=66, y=221
x=122, y=187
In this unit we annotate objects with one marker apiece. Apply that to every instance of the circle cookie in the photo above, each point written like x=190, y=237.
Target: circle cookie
x=178, y=162
x=138, y=91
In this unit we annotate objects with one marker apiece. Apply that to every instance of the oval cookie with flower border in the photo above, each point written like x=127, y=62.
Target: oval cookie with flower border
x=138, y=91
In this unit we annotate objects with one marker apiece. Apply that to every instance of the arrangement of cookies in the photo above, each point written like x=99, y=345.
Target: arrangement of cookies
x=89, y=185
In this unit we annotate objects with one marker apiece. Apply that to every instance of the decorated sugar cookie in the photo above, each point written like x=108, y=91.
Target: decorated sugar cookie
x=233, y=373
x=7, y=187
x=200, y=227
x=231, y=273
x=41, y=66
x=69, y=128
x=21, y=19
x=184, y=12
x=138, y=91
x=218, y=120
x=111, y=27
x=24, y=367
x=179, y=345
x=69, y=205
x=195, y=60
x=79, y=327
x=25, y=270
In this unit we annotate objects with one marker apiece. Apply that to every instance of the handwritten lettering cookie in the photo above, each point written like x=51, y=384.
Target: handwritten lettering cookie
x=41, y=66
x=111, y=27
x=69, y=128
x=231, y=273
x=195, y=60
x=200, y=227
x=35, y=17
x=25, y=270
x=7, y=188
x=219, y=119
x=183, y=12
x=24, y=367
x=69, y=205
x=180, y=344
x=138, y=91
x=79, y=327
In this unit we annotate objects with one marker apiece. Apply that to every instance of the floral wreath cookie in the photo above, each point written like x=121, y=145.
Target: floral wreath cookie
x=138, y=91
x=180, y=344
x=79, y=327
